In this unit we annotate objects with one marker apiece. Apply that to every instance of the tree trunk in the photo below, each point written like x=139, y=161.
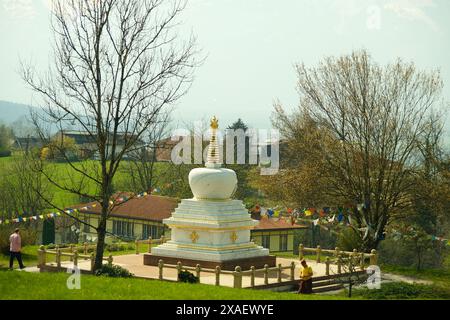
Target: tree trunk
x=370, y=244
x=101, y=233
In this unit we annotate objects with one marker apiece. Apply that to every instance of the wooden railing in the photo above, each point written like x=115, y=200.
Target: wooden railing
x=237, y=274
x=76, y=252
x=149, y=242
x=73, y=255
x=336, y=257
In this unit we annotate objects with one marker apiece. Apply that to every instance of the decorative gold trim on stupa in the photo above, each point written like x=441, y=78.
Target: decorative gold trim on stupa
x=194, y=237
x=233, y=237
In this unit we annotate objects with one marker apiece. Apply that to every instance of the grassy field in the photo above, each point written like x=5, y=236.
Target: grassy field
x=439, y=277
x=52, y=286
x=29, y=257
x=65, y=175
x=402, y=291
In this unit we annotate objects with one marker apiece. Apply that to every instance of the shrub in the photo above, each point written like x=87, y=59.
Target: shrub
x=112, y=247
x=348, y=240
x=28, y=237
x=187, y=277
x=401, y=290
x=5, y=153
x=404, y=253
x=113, y=272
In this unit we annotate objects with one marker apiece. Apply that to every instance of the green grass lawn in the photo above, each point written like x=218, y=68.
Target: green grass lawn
x=439, y=277
x=29, y=257
x=65, y=175
x=402, y=291
x=52, y=286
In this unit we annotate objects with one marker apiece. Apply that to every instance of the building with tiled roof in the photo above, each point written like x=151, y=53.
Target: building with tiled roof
x=141, y=218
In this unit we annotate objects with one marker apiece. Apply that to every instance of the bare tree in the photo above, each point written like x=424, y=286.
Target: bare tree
x=142, y=168
x=371, y=119
x=118, y=64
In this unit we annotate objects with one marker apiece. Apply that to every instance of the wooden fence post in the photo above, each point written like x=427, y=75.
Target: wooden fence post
x=41, y=255
x=75, y=258
x=217, y=276
x=336, y=252
x=361, y=262
x=252, y=276
x=110, y=260
x=327, y=266
x=292, y=271
x=137, y=246
x=85, y=252
x=279, y=272
x=179, y=269
x=339, y=263
x=350, y=264
x=266, y=274
x=71, y=251
x=58, y=257
x=237, y=283
x=92, y=261
x=373, y=257
x=355, y=257
x=149, y=244
x=300, y=251
x=163, y=239
x=198, y=269
x=160, y=267
x=318, y=251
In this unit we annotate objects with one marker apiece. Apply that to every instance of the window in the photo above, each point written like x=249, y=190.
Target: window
x=153, y=231
x=86, y=227
x=265, y=239
x=123, y=228
x=283, y=242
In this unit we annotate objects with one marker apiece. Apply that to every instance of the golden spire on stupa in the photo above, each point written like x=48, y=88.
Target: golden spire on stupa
x=213, y=159
x=214, y=123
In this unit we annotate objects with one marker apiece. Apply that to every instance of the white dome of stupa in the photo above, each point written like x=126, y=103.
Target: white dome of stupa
x=213, y=182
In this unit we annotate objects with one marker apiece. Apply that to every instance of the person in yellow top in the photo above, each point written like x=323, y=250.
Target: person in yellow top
x=306, y=274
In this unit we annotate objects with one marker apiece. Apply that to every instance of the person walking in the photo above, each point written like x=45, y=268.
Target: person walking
x=15, y=246
x=306, y=274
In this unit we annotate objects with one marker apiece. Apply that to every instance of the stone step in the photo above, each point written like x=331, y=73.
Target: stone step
x=335, y=276
x=324, y=283
x=328, y=288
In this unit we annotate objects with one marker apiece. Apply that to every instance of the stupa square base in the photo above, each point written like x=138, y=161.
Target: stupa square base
x=230, y=265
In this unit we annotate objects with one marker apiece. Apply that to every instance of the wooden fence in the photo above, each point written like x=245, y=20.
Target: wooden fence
x=336, y=256
x=331, y=257
x=77, y=252
x=73, y=255
x=237, y=274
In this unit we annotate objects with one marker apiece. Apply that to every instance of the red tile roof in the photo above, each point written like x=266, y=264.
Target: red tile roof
x=152, y=208
x=277, y=224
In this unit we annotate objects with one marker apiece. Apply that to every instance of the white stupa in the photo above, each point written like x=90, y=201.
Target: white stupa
x=211, y=229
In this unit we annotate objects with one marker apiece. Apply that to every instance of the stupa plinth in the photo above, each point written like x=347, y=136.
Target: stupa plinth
x=211, y=229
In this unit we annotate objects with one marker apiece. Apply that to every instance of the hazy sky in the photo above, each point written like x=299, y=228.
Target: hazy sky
x=253, y=44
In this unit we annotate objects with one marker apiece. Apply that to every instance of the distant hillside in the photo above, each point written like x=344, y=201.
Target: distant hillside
x=10, y=112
